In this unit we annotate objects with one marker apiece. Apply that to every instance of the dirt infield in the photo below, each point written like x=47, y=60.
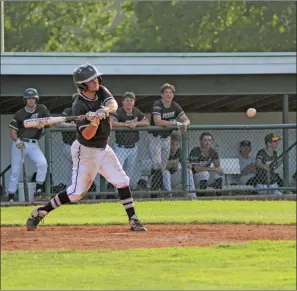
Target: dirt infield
x=120, y=237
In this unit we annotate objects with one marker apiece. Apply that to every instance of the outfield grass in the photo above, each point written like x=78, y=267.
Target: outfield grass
x=261, y=212
x=256, y=265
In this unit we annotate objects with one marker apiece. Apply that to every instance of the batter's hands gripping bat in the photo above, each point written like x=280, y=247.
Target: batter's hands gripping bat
x=34, y=122
x=25, y=182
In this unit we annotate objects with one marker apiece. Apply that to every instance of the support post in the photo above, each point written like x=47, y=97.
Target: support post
x=48, y=156
x=184, y=159
x=286, y=140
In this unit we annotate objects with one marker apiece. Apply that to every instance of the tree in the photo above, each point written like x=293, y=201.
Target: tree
x=147, y=26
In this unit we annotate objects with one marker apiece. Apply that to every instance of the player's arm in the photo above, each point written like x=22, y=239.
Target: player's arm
x=114, y=119
x=14, y=127
x=87, y=126
x=13, y=134
x=89, y=131
x=184, y=119
x=259, y=164
x=108, y=100
x=111, y=105
x=142, y=120
x=159, y=122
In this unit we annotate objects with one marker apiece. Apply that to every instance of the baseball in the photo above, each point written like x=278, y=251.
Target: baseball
x=251, y=112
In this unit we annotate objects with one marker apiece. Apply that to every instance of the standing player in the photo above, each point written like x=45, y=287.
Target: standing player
x=126, y=147
x=90, y=152
x=26, y=140
x=165, y=112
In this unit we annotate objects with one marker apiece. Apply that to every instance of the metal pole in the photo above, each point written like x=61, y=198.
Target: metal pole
x=2, y=26
x=184, y=158
x=286, y=140
x=47, y=153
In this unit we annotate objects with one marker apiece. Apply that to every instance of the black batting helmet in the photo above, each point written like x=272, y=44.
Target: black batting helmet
x=84, y=74
x=30, y=93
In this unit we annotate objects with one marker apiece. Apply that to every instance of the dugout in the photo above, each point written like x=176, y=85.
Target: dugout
x=208, y=85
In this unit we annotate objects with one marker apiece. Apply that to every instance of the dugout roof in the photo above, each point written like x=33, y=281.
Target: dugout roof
x=225, y=82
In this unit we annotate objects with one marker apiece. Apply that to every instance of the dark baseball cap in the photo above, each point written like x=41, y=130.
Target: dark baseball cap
x=128, y=95
x=269, y=138
x=245, y=143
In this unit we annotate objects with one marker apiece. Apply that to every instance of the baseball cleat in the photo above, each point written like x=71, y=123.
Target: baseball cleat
x=35, y=218
x=136, y=225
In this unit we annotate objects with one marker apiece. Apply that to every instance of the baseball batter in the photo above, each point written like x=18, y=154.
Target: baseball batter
x=26, y=140
x=91, y=153
x=165, y=112
x=126, y=147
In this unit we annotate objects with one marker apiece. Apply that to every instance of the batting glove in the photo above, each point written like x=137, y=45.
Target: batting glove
x=19, y=143
x=91, y=115
x=103, y=112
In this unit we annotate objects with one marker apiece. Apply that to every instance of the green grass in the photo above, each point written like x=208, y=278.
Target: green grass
x=260, y=212
x=250, y=266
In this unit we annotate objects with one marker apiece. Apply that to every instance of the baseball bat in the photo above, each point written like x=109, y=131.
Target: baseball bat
x=26, y=191
x=31, y=123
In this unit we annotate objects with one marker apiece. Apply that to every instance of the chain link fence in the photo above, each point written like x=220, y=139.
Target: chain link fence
x=206, y=160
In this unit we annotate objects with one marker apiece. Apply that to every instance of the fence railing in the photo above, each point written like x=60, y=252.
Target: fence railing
x=152, y=175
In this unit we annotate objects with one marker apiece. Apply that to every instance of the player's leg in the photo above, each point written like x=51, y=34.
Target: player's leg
x=154, y=147
x=131, y=166
x=112, y=171
x=176, y=180
x=166, y=176
x=16, y=166
x=85, y=164
x=201, y=179
x=36, y=155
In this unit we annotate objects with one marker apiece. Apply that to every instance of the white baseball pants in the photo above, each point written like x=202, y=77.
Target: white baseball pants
x=87, y=162
x=159, y=149
x=33, y=151
x=68, y=165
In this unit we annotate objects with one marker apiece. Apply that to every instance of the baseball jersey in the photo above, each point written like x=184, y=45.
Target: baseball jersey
x=83, y=105
x=175, y=156
x=266, y=158
x=127, y=138
x=169, y=113
x=201, y=159
x=17, y=121
x=68, y=137
x=245, y=163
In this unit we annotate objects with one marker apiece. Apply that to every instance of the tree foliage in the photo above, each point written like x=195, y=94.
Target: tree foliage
x=147, y=26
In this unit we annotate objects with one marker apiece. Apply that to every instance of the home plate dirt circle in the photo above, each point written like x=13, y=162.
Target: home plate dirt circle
x=119, y=237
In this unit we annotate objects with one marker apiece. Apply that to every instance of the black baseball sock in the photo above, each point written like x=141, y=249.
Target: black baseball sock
x=60, y=199
x=127, y=200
